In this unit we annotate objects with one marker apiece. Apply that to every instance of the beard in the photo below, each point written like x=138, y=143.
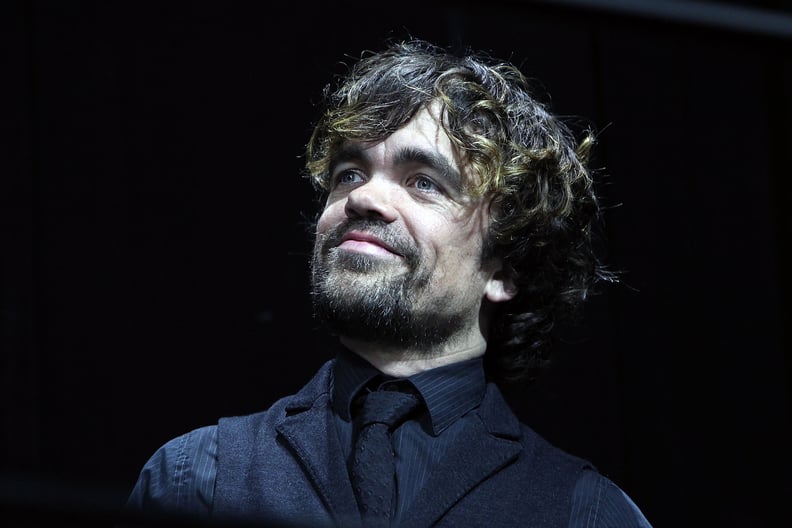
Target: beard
x=378, y=300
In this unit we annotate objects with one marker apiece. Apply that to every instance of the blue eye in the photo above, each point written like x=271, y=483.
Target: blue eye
x=348, y=177
x=425, y=184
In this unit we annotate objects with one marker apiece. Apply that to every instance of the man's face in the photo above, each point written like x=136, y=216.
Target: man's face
x=398, y=252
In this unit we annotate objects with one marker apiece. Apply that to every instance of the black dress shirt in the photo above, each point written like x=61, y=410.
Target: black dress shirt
x=449, y=393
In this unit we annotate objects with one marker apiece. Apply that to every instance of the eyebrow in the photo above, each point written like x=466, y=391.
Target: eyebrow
x=431, y=159
x=347, y=152
x=404, y=156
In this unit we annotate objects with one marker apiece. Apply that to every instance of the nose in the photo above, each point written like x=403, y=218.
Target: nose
x=374, y=199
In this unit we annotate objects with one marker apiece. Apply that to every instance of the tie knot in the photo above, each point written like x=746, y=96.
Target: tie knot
x=388, y=407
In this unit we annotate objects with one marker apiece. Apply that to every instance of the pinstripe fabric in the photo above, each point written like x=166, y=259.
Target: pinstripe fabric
x=179, y=477
x=598, y=502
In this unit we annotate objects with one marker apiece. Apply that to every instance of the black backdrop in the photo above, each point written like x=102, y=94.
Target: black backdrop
x=155, y=234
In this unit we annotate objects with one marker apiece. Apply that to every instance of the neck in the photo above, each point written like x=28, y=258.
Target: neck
x=403, y=362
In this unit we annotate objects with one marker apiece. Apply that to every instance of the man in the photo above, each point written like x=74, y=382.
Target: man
x=456, y=234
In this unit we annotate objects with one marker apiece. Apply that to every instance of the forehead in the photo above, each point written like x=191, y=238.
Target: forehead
x=425, y=130
x=422, y=140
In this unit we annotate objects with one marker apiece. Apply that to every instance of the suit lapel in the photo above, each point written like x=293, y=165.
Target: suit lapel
x=309, y=431
x=485, y=447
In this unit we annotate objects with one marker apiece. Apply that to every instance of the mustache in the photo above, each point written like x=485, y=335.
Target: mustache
x=400, y=242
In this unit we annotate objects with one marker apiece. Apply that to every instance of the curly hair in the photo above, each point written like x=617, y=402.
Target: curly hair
x=544, y=208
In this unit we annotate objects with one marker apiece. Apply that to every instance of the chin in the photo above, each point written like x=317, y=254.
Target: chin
x=360, y=262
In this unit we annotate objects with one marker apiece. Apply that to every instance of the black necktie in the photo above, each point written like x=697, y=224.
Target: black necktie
x=373, y=467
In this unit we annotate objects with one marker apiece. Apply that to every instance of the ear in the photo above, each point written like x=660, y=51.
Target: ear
x=500, y=287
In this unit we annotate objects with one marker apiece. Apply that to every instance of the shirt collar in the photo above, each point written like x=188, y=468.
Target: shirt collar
x=350, y=374
x=449, y=391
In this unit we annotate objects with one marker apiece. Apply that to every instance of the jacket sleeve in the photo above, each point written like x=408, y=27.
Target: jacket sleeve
x=598, y=503
x=179, y=477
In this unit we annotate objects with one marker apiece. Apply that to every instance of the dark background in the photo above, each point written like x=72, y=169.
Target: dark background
x=155, y=234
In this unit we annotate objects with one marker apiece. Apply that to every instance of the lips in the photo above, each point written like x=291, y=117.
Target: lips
x=366, y=243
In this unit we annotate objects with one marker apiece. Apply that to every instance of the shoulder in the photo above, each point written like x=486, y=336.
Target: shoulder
x=599, y=502
x=179, y=476
x=596, y=501
x=541, y=447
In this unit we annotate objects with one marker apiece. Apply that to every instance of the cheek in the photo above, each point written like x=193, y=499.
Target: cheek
x=330, y=217
x=459, y=240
